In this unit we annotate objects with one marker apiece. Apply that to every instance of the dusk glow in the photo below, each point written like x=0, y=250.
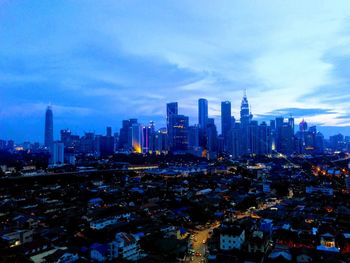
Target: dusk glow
x=98, y=62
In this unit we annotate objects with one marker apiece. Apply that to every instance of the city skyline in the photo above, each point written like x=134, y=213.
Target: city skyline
x=226, y=109
x=130, y=58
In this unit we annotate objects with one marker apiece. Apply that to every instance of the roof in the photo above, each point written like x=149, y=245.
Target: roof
x=101, y=248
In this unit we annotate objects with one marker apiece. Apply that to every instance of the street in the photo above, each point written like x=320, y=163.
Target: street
x=199, y=243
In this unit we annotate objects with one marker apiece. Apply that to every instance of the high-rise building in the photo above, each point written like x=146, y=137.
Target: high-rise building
x=253, y=137
x=106, y=143
x=202, y=113
x=226, y=122
x=49, y=128
x=57, y=153
x=212, y=136
x=235, y=141
x=178, y=133
x=148, y=138
x=171, y=110
x=135, y=136
x=88, y=143
x=246, y=117
x=264, y=142
x=193, y=137
x=278, y=133
x=70, y=141
x=161, y=141
x=202, y=121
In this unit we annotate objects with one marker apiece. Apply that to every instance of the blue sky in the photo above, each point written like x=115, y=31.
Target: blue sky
x=98, y=62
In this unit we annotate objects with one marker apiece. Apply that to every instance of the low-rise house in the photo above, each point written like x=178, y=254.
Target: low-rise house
x=126, y=246
x=102, y=223
x=18, y=237
x=327, y=243
x=258, y=242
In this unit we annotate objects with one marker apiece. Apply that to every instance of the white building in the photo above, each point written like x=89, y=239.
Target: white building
x=126, y=246
x=231, y=237
x=102, y=223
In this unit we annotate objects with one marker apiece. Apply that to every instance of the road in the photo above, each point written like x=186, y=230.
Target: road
x=199, y=246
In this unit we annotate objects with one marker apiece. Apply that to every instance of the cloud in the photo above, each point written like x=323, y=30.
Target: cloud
x=128, y=58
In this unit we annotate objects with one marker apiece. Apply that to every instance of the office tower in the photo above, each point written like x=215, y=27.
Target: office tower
x=57, y=153
x=171, y=110
x=124, y=135
x=178, y=133
x=202, y=121
x=278, y=133
x=70, y=141
x=135, y=137
x=304, y=141
x=226, y=122
x=105, y=143
x=146, y=139
x=235, y=141
x=161, y=141
x=48, y=128
x=193, y=137
x=116, y=140
x=273, y=135
x=151, y=136
x=253, y=137
x=303, y=126
x=291, y=124
x=264, y=143
x=109, y=131
x=319, y=143
x=286, y=136
x=245, y=120
x=212, y=136
x=337, y=142
x=202, y=113
x=87, y=143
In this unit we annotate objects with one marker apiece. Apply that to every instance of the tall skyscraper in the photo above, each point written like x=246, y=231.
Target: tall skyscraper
x=171, y=110
x=178, y=133
x=226, y=121
x=202, y=121
x=202, y=113
x=49, y=128
x=135, y=136
x=212, y=136
x=264, y=142
x=246, y=117
x=57, y=153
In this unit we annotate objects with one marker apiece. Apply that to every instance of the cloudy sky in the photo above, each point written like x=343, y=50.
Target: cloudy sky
x=98, y=62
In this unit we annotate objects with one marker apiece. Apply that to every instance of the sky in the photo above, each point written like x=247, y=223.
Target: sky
x=99, y=62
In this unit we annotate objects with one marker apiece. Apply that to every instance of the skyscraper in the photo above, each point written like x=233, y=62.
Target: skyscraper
x=171, y=110
x=202, y=113
x=202, y=121
x=246, y=117
x=226, y=121
x=212, y=136
x=57, y=153
x=49, y=128
x=178, y=133
x=135, y=136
